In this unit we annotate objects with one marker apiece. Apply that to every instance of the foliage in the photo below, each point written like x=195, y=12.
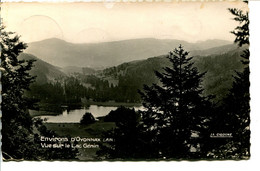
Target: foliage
x=220, y=69
x=130, y=77
x=20, y=132
x=121, y=114
x=176, y=109
x=121, y=83
x=126, y=136
x=17, y=123
x=66, y=91
x=241, y=32
x=87, y=118
x=236, y=105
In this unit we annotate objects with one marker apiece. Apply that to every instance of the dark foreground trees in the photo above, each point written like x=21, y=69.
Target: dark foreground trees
x=238, y=101
x=87, y=118
x=236, y=106
x=20, y=132
x=127, y=140
x=17, y=124
x=179, y=122
x=176, y=112
x=175, y=115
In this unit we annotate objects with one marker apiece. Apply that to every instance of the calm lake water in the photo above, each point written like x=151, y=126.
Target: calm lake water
x=74, y=116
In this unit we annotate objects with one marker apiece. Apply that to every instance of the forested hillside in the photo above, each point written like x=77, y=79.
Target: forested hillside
x=217, y=81
x=44, y=71
x=121, y=83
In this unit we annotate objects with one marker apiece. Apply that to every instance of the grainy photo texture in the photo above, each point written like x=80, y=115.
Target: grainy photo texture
x=125, y=81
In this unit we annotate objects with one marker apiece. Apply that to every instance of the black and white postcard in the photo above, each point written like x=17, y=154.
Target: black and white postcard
x=125, y=81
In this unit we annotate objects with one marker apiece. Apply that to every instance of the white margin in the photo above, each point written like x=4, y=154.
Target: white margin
x=251, y=165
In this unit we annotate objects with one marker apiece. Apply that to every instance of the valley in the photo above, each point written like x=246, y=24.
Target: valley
x=117, y=84
x=64, y=90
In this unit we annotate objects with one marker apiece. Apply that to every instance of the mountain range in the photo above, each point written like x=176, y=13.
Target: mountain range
x=218, y=79
x=44, y=71
x=101, y=55
x=219, y=62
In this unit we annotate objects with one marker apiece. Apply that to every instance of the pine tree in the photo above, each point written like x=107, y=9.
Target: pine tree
x=175, y=109
x=238, y=101
x=20, y=140
x=17, y=124
x=236, y=108
x=242, y=31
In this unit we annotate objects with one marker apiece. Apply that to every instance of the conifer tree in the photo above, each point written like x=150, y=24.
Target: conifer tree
x=17, y=123
x=175, y=108
x=235, y=112
x=238, y=100
x=20, y=141
x=127, y=141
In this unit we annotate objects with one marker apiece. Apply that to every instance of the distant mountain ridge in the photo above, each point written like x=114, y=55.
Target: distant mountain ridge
x=215, y=50
x=44, y=71
x=218, y=79
x=130, y=76
x=101, y=55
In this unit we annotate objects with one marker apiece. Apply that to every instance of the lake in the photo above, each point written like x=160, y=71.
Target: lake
x=74, y=116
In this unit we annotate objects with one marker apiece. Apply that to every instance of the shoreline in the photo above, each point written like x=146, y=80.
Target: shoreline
x=113, y=104
x=46, y=112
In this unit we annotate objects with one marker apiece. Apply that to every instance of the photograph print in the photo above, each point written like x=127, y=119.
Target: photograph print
x=121, y=81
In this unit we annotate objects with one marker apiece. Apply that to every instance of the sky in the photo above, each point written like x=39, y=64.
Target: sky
x=102, y=22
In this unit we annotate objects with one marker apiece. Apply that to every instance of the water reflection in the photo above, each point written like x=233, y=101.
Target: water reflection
x=65, y=113
x=74, y=116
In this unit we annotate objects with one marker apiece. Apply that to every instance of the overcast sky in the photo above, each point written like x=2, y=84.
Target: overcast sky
x=99, y=22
